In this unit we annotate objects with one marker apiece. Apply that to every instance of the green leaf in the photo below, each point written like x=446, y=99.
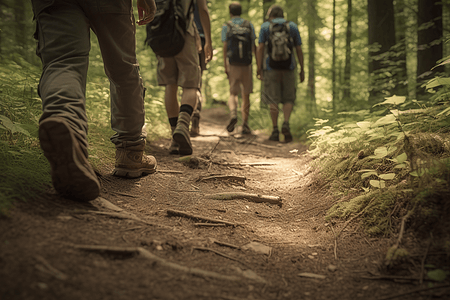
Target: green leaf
x=380, y=152
x=388, y=176
x=388, y=119
x=435, y=82
x=6, y=122
x=394, y=100
x=437, y=275
x=368, y=174
x=400, y=166
x=445, y=111
x=378, y=183
x=364, y=125
x=401, y=158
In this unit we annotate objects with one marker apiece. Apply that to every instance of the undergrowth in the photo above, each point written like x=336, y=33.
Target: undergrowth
x=25, y=170
x=388, y=163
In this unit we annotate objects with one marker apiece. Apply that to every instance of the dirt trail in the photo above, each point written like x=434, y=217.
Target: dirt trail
x=131, y=244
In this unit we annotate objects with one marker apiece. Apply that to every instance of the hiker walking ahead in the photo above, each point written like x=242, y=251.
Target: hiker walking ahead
x=238, y=37
x=177, y=47
x=195, y=120
x=63, y=29
x=279, y=39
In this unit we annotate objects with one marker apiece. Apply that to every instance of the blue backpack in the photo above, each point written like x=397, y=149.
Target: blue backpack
x=239, y=41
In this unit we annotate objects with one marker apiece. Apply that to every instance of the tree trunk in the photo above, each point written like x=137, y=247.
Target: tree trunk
x=266, y=5
x=292, y=8
x=381, y=39
x=312, y=54
x=333, y=63
x=347, y=69
x=20, y=30
x=400, y=74
x=429, y=40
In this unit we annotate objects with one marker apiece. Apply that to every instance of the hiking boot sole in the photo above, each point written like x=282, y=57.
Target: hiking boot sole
x=184, y=143
x=232, y=124
x=287, y=135
x=127, y=173
x=72, y=175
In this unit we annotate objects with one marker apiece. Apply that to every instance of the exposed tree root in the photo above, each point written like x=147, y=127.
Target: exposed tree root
x=148, y=255
x=251, y=197
x=178, y=213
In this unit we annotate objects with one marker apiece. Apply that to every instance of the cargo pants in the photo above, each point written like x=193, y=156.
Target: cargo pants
x=63, y=35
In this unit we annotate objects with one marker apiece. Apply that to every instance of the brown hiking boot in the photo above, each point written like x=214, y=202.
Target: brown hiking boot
x=174, y=147
x=231, y=124
x=181, y=134
x=286, y=131
x=72, y=175
x=195, y=126
x=131, y=162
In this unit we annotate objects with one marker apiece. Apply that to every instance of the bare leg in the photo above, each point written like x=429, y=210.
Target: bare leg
x=171, y=101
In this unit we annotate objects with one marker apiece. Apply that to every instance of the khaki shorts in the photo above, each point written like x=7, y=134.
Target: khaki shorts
x=280, y=86
x=240, y=75
x=182, y=69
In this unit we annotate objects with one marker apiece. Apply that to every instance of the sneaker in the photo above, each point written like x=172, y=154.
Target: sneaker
x=72, y=175
x=181, y=134
x=174, y=148
x=195, y=127
x=285, y=130
x=132, y=163
x=275, y=136
x=230, y=126
x=246, y=129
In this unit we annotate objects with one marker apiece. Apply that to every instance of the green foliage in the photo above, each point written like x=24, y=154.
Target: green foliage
x=24, y=169
x=395, y=160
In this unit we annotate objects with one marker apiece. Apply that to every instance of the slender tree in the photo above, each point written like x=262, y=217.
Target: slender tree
x=381, y=39
x=348, y=51
x=333, y=64
x=311, y=21
x=400, y=75
x=429, y=39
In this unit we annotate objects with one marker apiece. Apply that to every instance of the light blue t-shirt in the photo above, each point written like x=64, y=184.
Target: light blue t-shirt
x=295, y=34
x=238, y=21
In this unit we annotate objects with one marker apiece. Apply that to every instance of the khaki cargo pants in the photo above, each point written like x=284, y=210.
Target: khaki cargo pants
x=63, y=35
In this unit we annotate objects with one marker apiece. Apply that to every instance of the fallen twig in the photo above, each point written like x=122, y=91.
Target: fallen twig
x=178, y=213
x=223, y=177
x=148, y=255
x=49, y=269
x=390, y=277
x=103, y=203
x=120, y=215
x=169, y=171
x=422, y=264
x=251, y=197
x=226, y=244
x=219, y=253
x=125, y=195
x=418, y=290
x=209, y=225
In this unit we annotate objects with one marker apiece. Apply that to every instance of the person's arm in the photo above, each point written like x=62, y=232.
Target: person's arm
x=146, y=11
x=225, y=56
x=259, y=61
x=300, y=61
x=206, y=24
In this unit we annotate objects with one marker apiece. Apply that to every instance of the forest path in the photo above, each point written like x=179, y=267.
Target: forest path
x=163, y=237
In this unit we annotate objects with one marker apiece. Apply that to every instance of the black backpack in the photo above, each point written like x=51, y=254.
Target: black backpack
x=280, y=46
x=165, y=34
x=239, y=41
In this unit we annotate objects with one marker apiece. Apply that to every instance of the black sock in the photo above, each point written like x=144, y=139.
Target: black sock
x=173, y=121
x=187, y=108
